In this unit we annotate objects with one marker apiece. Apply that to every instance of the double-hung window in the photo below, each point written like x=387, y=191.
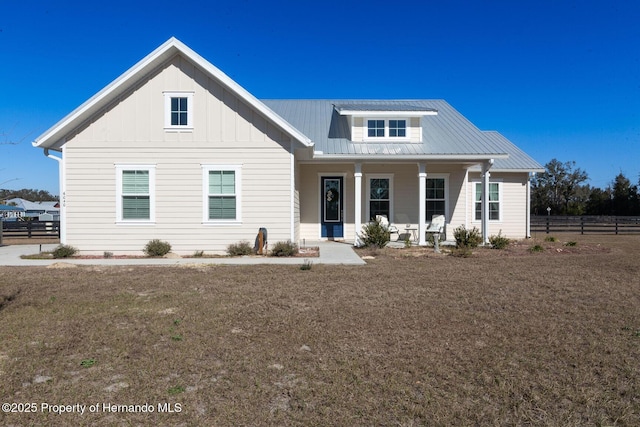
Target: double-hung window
x=221, y=194
x=494, y=201
x=380, y=189
x=178, y=111
x=135, y=189
x=386, y=128
x=436, y=197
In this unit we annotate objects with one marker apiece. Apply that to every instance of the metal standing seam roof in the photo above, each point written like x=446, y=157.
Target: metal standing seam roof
x=448, y=133
x=517, y=160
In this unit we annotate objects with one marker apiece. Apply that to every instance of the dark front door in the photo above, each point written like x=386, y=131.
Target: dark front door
x=331, y=203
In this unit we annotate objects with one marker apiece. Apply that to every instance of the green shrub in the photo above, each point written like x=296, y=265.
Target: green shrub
x=198, y=254
x=499, y=241
x=240, y=248
x=375, y=235
x=536, y=248
x=571, y=243
x=467, y=238
x=284, y=249
x=107, y=254
x=550, y=239
x=306, y=265
x=157, y=247
x=64, y=251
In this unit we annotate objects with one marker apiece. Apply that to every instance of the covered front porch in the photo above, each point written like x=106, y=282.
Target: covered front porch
x=337, y=199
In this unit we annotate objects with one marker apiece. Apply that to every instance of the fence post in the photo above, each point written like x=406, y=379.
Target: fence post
x=547, y=224
x=616, y=225
x=581, y=225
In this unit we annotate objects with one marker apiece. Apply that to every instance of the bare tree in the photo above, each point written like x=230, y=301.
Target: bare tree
x=6, y=138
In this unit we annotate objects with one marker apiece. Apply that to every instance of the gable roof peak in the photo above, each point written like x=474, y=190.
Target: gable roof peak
x=55, y=136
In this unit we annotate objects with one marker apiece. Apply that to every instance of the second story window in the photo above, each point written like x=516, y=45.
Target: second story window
x=397, y=128
x=178, y=111
x=386, y=129
x=375, y=128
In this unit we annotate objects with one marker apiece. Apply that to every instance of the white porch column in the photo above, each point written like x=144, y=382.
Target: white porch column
x=422, y=203
x=357, y=210
x=528, y=229
x=485, y=200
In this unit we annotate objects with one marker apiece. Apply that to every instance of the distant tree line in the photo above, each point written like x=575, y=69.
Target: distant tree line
x=27, y=194
x=562, y=188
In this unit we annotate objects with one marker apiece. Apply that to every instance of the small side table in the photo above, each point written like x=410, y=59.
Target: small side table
x=413, y=231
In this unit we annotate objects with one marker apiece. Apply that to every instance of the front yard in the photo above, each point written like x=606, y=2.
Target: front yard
x=413, y=338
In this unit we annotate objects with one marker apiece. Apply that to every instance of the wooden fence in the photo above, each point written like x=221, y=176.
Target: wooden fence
x=585, y=224
x=29, y=229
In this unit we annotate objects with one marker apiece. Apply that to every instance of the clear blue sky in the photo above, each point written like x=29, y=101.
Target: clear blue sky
x=561, y=79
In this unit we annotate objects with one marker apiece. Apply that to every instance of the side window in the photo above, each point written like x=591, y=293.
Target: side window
x=178, y=111
x=135, y=193
x=221, y=193
x=494, y=201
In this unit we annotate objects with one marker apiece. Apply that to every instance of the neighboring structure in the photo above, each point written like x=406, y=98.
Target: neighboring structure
x=31, y=209
x=174, y=149
x=11, y=213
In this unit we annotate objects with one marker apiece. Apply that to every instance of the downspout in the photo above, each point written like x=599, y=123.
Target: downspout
x=63, y=202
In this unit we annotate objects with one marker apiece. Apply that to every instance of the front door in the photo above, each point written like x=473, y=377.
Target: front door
x=331, y=207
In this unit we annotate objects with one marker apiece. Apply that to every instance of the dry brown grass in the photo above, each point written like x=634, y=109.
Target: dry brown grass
x=413, y=338
x=29, y=241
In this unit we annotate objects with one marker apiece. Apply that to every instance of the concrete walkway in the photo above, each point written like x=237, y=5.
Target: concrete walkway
x=330, y=253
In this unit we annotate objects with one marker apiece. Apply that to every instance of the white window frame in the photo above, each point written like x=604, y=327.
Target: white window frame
x=386, y=136
x=475, y=184
x=368, y=178
x=444, y=176
x=167, y=111
x=151, y=168
x=206, y=168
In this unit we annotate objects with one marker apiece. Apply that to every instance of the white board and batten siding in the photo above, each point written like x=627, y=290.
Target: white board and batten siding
x=226, y=131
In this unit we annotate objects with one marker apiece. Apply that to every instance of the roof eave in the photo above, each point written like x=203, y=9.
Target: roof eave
x=368, y=113
x=474, y=158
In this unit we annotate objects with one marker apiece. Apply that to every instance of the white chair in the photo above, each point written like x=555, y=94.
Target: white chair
x=384, y=221
x=436, y=228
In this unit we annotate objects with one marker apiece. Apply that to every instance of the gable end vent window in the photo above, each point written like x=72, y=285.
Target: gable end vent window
x=178, y=107
x=179, y=112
